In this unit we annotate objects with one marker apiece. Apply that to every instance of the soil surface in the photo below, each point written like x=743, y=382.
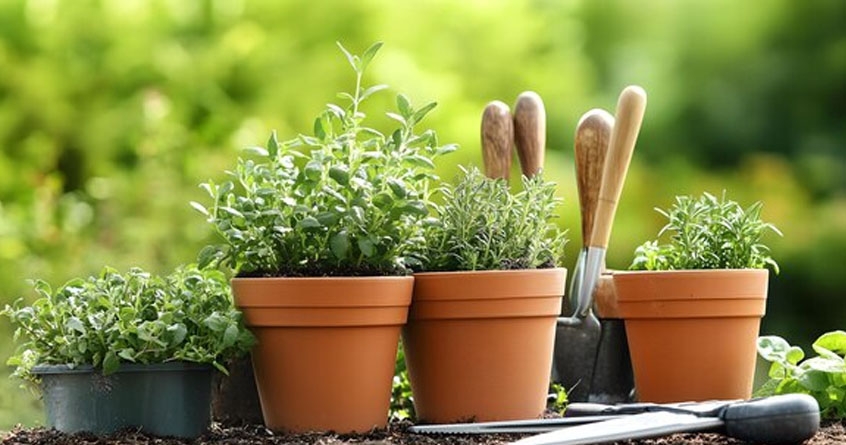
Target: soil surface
x=830, y=433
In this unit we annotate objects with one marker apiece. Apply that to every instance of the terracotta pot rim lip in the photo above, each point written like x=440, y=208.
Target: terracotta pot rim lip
x=315, y=279
x=453, y=273
x=642, y=273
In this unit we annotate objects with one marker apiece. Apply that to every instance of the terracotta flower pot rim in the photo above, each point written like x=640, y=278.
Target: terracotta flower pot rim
x=330, y=278
x=318, y=292
x=493, y=284
x=680, y=272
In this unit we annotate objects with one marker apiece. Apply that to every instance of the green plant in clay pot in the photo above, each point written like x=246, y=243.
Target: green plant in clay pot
x=320, y=232
x=129, y=350
x=706, y=286
x=481, y=327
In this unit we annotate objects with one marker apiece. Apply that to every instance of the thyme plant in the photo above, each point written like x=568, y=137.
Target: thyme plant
x=708, y=233
x=482, y=225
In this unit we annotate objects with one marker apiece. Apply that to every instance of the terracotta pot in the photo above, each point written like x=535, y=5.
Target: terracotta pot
x=326, y=349
x=692, y=334
x=478, y=345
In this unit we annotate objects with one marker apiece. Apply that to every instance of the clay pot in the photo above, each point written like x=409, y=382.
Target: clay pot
x=478, y=345
x=692, y=334
x=326, y=348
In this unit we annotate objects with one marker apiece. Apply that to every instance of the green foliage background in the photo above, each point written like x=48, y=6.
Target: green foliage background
x=112, y=111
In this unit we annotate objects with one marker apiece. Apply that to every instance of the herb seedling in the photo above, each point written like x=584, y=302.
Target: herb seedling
x=133, y=317
x=482, y=225
x=344, y=201
x=823, y=376
x=708, y=233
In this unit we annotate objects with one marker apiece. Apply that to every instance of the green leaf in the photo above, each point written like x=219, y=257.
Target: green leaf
x=814, y=380
x=339, y=243
x=773, y=348
x=199, y=207
x=75, y=324
x=371, y=90
x=319, y=132
x=366, y=246
x=111, y=363
x=313, y=170
x=398, y=187
x=404, y=106
x=353, y=60
x=328, y=218
x=127, y=354
x=383, y=201
x=420, y=161
x=421, y=113
x=340, y=174
x=230, y=336
x=396, y=117
x=834, y=341
x=309, y=222
x=272, y=145
x=368, y=54
x=207, y=256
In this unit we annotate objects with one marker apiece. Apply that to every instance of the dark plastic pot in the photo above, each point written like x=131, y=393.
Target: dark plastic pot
x=170, y=399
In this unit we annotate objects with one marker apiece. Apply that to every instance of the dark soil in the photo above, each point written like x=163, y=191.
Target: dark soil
x=831, y=433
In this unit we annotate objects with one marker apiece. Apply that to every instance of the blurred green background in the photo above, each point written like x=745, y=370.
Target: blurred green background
x=111, y=113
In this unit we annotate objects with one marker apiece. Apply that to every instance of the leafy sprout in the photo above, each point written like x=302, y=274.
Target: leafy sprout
x=344, y=201
x=823, y=376
x=134, y=317
x=482, y=225
x=708, y=233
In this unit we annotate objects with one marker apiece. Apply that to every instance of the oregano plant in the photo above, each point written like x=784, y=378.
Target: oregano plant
x=708, y=233
x=346, y=200
x=483, y=225
x=132, y=317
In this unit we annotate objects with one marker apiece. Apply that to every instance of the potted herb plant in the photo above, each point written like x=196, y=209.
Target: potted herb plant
x=129, y=350
x=481, y=327
x=319, y=230
x=693, y=307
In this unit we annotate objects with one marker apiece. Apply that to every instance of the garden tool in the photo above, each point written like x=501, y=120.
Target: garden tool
x=790, y=418
x=497, y=140
x=530, y=132
x=577, y=337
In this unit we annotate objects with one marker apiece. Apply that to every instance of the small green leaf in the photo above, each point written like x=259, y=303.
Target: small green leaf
x=366, y=247
x=339, y=243
x=834, y=341
x=420, y=161
x=272, y=144
x=417, y=208
x=396, y=117
x=353, y=60
x=374, y=89
x=199, y=207
x=340, y=174
x=368, y=54
x=127, y=354
x=383, y=200
x=313, y=170
x=230, y=336
x=309, y=222
x=319, y=132
x=75, y=324
x=421, y=113
x=328, y=218
x=111, y=363
x=398, y=187
x=404, y=106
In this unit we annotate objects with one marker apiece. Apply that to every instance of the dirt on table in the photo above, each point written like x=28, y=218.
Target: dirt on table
x=395, y=434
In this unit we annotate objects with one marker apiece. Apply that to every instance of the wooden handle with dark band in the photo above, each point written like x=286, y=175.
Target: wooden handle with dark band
x=631, y=107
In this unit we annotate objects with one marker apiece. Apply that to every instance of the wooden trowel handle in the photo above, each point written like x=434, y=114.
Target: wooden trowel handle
x=497, y=140
x=629, y=116
x=592, y=136
x=530, y=132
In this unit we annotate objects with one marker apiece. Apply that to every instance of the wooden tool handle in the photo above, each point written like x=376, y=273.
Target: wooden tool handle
x=530, y=132
x=593, y=134
x=497, y=140
x=630, y=109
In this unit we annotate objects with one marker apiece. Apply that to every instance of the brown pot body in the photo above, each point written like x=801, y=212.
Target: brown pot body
x=326, y=348
x=478, y=345
x=692, y=334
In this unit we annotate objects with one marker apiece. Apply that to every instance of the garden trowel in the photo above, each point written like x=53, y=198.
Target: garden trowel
x=578, y=336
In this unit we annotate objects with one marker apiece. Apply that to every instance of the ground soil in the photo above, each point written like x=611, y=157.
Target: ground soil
x=830, y=433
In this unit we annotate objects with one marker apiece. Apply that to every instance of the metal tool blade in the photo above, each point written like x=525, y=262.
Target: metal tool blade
x=510, y=426
x=639, y=426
